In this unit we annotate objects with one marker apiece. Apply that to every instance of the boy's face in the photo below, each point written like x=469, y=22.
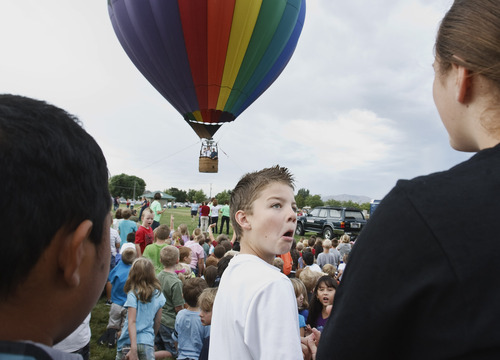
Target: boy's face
x=270, y=228
x=147, y=219
x=205, y=317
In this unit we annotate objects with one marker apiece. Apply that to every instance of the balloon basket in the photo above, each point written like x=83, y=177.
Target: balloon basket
x=208, y=165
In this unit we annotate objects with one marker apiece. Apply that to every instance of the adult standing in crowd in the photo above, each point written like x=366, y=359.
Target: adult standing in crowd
x=225, y=217
x=214, y=213
x=204, y=216
x=116, y=203
x=194, y=210
x=157, y=210
x=144, y=206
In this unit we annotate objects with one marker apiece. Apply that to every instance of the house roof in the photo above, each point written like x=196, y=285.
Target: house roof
x=164, y=196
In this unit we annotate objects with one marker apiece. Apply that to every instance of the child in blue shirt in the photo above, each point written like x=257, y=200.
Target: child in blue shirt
x=189, y=331
x=144, y=303
x=117, y=313
x=126, y=226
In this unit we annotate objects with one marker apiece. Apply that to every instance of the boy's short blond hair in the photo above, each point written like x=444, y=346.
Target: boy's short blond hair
x=128, y=256
x=249, y=188
x=329, y=269
x=278, y=262
x=327, y=244
x=146, y=210
x=207, y=298
x=309, y=278
x=162, y=232
x=346, y=239
x=169, y=256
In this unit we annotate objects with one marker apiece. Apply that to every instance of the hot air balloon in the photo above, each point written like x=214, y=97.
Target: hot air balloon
x=210, y=59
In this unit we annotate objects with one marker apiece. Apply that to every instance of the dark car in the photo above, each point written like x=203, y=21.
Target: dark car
x=331, y=220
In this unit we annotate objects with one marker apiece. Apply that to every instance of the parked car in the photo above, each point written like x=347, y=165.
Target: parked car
x=331, y=220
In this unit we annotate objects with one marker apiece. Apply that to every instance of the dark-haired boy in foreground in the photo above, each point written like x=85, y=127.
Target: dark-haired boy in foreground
x=55, y=227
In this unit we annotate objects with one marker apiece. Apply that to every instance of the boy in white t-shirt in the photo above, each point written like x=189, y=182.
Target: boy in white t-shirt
x=255, y=311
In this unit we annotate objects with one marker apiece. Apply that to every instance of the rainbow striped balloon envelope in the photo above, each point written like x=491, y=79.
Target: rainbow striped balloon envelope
x=210, y=59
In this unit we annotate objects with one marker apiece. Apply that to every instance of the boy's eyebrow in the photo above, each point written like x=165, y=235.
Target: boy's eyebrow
x=273, y=197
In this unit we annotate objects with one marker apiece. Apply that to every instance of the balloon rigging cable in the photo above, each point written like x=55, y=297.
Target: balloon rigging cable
x=169, y=156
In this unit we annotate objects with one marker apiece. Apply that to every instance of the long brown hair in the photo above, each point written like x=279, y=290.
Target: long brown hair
x=142, y=280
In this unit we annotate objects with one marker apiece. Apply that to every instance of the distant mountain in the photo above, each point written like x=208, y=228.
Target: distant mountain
x=344, y=197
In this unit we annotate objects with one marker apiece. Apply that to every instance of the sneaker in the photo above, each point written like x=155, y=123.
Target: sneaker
x=108, y=302
x=103, y=340
x=112, y=338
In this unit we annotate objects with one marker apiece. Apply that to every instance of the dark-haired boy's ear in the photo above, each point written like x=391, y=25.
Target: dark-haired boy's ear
x=72, y=252
x=242, y=220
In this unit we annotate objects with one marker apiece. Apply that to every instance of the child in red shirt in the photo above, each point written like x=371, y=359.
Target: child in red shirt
x=144, y=235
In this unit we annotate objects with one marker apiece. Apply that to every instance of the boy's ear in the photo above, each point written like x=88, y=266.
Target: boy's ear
x=242, y=220
x=72, y=252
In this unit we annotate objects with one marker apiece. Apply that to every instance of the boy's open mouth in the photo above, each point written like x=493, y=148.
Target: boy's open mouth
x=288, y=233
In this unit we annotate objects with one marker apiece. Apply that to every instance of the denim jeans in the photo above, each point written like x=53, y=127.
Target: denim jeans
x=164, y=340
x=144, y=352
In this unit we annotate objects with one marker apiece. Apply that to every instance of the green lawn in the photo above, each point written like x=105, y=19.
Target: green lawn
x=98, y=323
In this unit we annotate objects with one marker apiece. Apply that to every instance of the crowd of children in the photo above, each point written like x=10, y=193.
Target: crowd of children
x=188, y=270
x=163, y=283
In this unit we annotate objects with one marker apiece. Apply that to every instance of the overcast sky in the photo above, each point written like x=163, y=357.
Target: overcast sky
x=351, y=114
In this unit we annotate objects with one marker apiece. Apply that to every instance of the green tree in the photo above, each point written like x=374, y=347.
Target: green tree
x=191, y=195
x=365, y=206
x=303, y=192
x=198, y=195
x=179, y=195
x=224, y=196
x=333, y=202
x=127, y=186
x=314, y=201
x=300, y=200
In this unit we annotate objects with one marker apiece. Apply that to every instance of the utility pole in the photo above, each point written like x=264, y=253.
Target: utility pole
x=210, y=191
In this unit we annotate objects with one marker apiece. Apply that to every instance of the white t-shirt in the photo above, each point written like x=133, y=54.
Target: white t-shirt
x=114, y=238
x=127, y=246
x=315, y=267
x=77, y=339
x=255, y=313
x=214, y=210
